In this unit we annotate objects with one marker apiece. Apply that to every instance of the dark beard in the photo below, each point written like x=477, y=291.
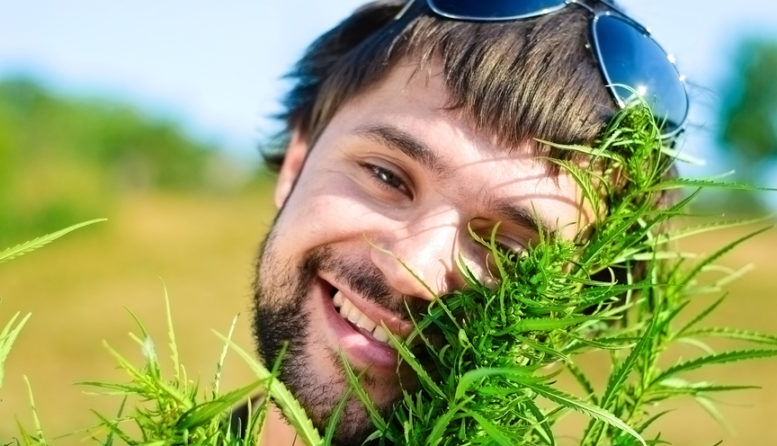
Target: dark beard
x=281, y=321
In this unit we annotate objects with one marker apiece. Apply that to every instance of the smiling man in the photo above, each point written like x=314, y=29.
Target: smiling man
x=410, y=125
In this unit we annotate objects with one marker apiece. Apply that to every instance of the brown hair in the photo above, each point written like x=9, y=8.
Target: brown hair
x=519, y=80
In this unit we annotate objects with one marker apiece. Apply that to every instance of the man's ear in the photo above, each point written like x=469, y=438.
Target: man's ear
x=290, y=169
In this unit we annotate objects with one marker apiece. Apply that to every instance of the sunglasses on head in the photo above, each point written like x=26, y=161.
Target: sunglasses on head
x=631, y=61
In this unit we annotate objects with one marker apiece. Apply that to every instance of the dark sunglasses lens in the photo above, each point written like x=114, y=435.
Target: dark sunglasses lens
x=493, y=9
x=630, y=57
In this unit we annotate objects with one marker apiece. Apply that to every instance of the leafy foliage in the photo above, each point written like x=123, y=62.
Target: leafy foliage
x=171, y=410
x=160, y=410
x=495, y=353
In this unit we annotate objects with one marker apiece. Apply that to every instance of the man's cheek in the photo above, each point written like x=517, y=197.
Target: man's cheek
x=322, y=217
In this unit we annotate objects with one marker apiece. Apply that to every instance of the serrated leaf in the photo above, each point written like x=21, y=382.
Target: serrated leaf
x=696, y=389
x=493, y=431
x=174, y=357
x=717, y=358
x=31, y=245
x=678, y=234
x=369, y=405
x=699, y=317
x=591, y=410
x=587, y=150
x=334, y=417
x=678, y=183
x=622, y=371
x=541, y=324
x=582, y=379
x=469, y=378
x=412, y=361
x=441, y=423
x=713, y=411
x=205, y=412
x=734, y=334
x=690, y=275
x=645, y=424
x=113, y=428
x=541, y=424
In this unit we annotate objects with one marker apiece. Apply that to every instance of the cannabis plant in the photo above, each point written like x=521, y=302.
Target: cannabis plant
x=622, y=288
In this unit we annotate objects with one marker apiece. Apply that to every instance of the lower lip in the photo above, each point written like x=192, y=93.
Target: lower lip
x=361, y=351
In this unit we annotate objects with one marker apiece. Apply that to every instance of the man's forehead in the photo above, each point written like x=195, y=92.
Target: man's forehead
x=414, y=95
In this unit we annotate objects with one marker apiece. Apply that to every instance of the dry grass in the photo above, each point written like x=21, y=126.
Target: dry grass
x=202, y=250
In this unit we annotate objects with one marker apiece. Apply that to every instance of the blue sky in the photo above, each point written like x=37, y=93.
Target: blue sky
x=216, y=66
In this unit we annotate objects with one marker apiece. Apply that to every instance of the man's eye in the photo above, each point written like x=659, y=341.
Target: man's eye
x=505, y=238
x=386, y=178
x=508, y=245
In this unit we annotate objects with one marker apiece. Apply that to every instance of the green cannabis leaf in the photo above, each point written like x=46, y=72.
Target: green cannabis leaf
x=622, y=288
x=32, y=245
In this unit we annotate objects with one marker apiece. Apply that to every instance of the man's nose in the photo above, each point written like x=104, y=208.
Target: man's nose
x=418, y=258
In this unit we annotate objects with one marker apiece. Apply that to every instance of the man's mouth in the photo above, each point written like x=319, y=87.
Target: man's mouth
x=358, y=319
x=361, y=329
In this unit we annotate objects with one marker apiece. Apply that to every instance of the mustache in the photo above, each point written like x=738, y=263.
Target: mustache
x=367, y=280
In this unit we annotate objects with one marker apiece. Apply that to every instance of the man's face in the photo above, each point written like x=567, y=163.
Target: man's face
x=375, y=216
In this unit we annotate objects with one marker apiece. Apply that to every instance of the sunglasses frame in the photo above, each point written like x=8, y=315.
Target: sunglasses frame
x=607, y=8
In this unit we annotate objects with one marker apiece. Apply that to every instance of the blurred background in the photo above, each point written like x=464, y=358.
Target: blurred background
x=150, y=114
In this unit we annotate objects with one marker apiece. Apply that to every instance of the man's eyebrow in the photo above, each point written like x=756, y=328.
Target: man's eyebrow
x=406, y=143
x=525, y=217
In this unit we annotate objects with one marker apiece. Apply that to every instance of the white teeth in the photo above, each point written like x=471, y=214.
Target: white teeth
x=380, y=334
x=355, y=316
x=338, y=299
x=346, y=308
x=365, y=323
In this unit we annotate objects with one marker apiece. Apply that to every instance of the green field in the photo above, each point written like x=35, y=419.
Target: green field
x=201, y=249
